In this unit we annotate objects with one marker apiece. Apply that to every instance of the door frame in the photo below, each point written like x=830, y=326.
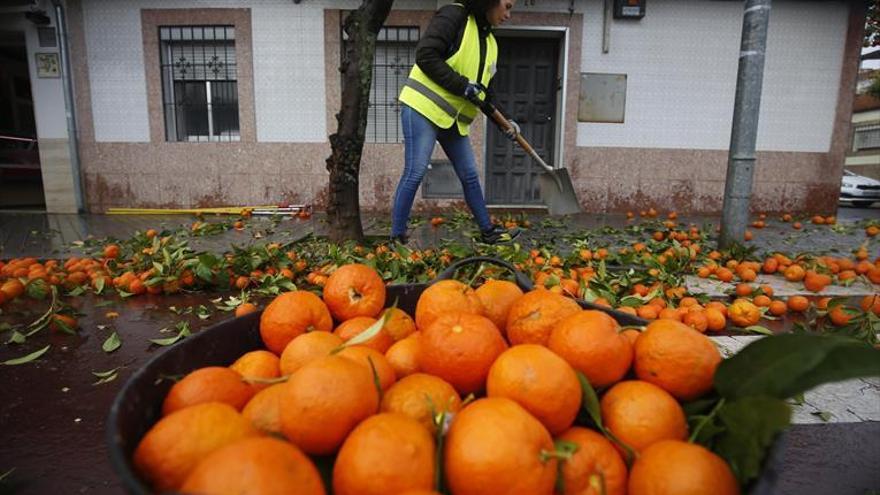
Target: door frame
x=561, y=34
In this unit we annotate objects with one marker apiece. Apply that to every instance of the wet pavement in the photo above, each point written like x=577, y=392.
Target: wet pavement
x=55, y=409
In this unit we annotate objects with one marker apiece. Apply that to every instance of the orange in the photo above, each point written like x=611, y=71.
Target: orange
x=743, y=290
x=540, y=381
x=292, y=314
x=403, y=356
x=649, y=311
x=676, y=358
x=420, y=396
x=696, y=318
x=387, y=453
x=815, y=282
x=263, y=410
x=794, y=273
x=673, y=467
x=778, y=308
x=533, y=316
x=871, y=303
x=350, y=329
x=242, y=309
x=839, y=316
x=354, y=290
x=209, y=384
x=371, y=359
x=306, y=348
x=399, y=325
x=596, y=463
x=496, y=446
x=640, y=413
x=798, y=303
x=762, y=301
x=669, y=314
x=443, y=296
x=715, y=320
x=497, y=296
x=256, y=465
x=591, y=343
x=257, y=364
x=743, y=313
x=324, y=401
x=460, y=348
x=179, y=441
x=63, y=323
x=12, y=288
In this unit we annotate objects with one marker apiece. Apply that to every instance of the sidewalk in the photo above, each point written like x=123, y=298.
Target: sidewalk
x=51, y=235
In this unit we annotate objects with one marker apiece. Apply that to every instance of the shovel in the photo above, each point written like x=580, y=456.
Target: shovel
x=556, y=188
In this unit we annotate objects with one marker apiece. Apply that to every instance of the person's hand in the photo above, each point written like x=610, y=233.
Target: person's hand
x=513, y=131
x=472, y=92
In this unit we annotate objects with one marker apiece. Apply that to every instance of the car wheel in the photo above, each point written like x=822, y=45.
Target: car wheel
x=862, y=204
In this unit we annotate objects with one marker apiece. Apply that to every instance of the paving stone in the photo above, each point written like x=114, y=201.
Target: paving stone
x=781, y=287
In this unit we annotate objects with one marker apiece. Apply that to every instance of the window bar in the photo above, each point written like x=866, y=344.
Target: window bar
x=210, y=111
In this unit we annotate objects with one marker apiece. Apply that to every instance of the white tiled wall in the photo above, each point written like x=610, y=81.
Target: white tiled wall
x=288, y=47
x=681, y=65
x=116, y=70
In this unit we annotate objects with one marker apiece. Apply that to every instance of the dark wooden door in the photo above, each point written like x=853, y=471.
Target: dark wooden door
x=525, y=87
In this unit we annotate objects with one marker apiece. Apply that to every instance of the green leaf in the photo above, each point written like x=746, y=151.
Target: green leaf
x=105, y=376
x=590, y=401
x=99, y=285
x=77, y=291
x=182, y=334
x=37, y=289
x=16, y=338
x=823, y=415
x=371, y=331
x=783, y=366
x=758, y=329
x=26, y=359
x=104, y=304
x=751, y=424
x=112, y=343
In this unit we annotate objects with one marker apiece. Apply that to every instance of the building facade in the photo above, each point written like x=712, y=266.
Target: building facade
x=186, y=103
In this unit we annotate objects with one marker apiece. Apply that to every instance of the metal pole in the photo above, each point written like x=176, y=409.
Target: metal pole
x=747, y=106
x=69, y=104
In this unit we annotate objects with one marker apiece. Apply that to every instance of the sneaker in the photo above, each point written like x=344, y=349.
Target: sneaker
x=499, y=234
x=399, y=239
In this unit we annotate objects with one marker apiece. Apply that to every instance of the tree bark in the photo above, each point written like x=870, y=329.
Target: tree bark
x=347, y=144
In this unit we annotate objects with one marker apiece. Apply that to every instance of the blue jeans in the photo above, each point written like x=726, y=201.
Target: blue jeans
x=419, y=136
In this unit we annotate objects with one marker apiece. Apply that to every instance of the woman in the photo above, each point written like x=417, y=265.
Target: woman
x=455, y=61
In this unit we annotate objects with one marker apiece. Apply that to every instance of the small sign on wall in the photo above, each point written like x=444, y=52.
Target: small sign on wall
x=47, y=65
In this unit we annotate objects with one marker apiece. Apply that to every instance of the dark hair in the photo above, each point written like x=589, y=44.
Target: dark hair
x=479, y=6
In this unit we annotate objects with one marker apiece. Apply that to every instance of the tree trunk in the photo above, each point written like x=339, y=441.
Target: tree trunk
x=344, y=163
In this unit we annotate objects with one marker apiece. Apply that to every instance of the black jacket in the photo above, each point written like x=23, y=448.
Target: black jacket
x=441, y=40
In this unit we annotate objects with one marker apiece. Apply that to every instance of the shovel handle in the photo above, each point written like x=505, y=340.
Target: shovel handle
x=505, y=125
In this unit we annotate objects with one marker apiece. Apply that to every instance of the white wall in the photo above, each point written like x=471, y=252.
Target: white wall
x=681, y=65
x=288, y=48
x=47, y=93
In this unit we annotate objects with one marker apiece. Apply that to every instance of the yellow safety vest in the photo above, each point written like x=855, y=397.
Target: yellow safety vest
x=441, y=106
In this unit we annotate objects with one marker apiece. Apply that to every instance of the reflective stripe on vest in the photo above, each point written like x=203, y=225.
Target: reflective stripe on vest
x=441, y=106
x=438, y=100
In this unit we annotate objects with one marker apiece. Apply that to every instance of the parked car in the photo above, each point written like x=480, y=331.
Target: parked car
x=859, y=190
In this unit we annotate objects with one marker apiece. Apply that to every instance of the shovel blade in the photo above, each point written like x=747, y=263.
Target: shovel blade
x=558, y=192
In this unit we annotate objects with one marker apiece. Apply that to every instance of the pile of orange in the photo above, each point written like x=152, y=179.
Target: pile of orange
x=495, y=369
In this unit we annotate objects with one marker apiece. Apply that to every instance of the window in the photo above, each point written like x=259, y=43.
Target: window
x=199, y=83
x=395, y=56
x=866, y=137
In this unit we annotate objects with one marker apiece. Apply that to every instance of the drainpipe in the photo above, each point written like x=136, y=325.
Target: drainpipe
x=747, y=105
x=69, y=104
